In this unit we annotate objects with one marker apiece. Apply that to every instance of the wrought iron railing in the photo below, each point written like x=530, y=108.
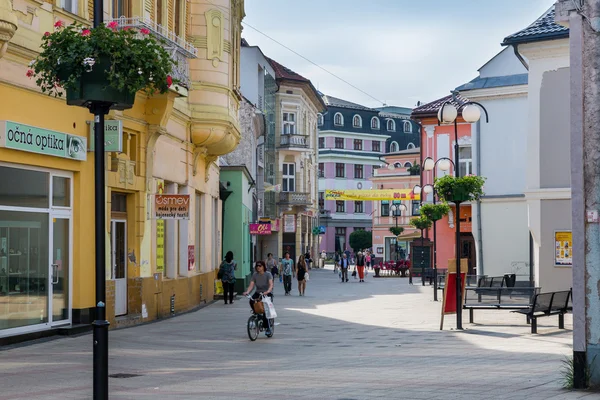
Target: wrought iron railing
x=294, y=198
x=179, y=49
x=293, y=141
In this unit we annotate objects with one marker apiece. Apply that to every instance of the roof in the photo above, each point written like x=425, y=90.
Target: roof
x=544, y=28
x=493, y=82
x=431, y=109
x=282, y=72
x=395, y=110
x=331, y=101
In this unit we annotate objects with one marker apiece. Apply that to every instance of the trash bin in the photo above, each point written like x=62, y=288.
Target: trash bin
x=510, y=279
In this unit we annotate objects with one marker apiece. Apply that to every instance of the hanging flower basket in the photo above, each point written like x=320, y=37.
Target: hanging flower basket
x=396, y=230
x=435, y=212
x=457, y=190
x=105, y=64
x=421, y=222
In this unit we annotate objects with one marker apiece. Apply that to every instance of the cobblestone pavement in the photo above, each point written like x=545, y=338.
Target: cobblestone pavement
x=345, y=341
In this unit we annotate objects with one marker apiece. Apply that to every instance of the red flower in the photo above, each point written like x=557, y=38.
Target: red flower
x=127, y=28
x=47, y=34
x=29, y=73
x=113, y=25
x=169, y=81
x=144, y=31
x=86, y=32
x=59, y=24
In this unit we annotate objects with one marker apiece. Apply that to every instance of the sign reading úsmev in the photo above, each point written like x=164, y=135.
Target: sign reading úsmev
x=42, y=141
x=172, y=206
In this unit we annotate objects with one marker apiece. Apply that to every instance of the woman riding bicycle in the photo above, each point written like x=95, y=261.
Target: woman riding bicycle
x=262, y=281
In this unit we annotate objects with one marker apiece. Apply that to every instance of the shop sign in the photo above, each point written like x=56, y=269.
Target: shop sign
x=275, y=223
x=113, y=135
x=42, y=141
x=563, y=255
x=172, y=206
x=289, y=223
x=260, y=229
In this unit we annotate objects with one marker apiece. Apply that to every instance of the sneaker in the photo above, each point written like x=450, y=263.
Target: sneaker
x=267, y=332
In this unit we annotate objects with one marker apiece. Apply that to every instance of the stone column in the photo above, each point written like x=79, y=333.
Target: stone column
x=584, y=26
x=8, y=25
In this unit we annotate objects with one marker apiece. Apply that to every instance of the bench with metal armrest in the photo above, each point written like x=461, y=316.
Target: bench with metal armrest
x=547, y=304
x=498, y=298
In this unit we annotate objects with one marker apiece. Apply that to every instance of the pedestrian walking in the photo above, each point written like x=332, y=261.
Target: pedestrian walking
x=344, y=265
x=308, y=260
x=227, y=276
x=337, y=262
x=368, y=259
x=360, y=266
x=301, y=272
x=287, y=269
x=272, y=265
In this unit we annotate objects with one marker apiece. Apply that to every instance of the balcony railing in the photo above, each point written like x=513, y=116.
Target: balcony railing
x=293, y=141
x=294, y=198
x=179, y=49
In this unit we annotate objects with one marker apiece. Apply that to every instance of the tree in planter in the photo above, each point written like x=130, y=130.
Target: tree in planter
x=464, y=188
x=421, y=223
x=414, y=169
x=435, y=212
x=103, y=64
x=360, y=240
x=396, y=230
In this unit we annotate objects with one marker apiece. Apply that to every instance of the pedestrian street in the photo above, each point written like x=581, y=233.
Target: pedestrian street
x=374, y=340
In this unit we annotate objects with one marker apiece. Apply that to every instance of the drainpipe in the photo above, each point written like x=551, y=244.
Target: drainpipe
x=520, y=57
x=479, y=228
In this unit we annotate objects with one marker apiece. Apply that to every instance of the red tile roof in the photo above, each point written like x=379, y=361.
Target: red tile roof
x=282, y=72
x=431, y=109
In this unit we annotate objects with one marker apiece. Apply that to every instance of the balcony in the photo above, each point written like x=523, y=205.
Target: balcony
x=291, y=141
x=294, y=199
x=177, y=47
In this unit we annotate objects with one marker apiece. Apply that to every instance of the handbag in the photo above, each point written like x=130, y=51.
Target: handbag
x=306, y=277
x=218, y=287
x=354, y=273
x=258, y=306
x=269, y=308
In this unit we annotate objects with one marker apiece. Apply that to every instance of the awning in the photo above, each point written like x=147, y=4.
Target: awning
x=409, y=236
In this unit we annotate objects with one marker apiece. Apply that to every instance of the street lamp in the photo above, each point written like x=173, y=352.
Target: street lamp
x=396, y=209
x=447, y=114
x=444, y=164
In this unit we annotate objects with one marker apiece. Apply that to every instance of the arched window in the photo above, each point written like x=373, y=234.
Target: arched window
x=374, y=123
x=391, y=125
x=410, y=146
x=320, y=119
x=397, y=165
x=338, y=119
x=394, y=148
x=407, y=165
x=407, y=127
x=357, y=121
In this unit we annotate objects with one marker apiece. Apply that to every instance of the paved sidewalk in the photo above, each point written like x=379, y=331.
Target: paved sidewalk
x=344, y=341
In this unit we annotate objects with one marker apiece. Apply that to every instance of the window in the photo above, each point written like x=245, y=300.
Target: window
x=374, y=123
x=289, y=180
x=321, y=200
x=339, y=143
x=120, y=8
x=407, y=127
x=391, y=125
x=357, y=144
x=338, y=119
x=178, y=13
x=70, y=6
x=465, y=163
x=159, y=12
x=396, y=211
x=357, y=121
x=339, y=170
x=289, y=123
x=321, y=170
x=340, y=206
x=407, y=165
x=410, y=146
x=385, y=208
x=375, y=167
x=321, y=142
x=394, y=147
x=358, y=207
x=416, y=207
x=376, y=146
x=319, y=119
x=358, y=171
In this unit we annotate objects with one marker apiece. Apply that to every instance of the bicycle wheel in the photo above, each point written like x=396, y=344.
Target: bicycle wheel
x=272, y=325
x=253, y=328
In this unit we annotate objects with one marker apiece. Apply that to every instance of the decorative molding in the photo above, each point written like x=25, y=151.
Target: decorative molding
x=8, y=25
x=215, y=42
x=548, y=194
x=354, y=135
x=465, y=141
x=505, y=91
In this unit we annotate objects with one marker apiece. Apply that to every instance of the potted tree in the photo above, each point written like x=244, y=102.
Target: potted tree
x=457, y=190
x=396, y=230
x=435, y=212
x=414, y=169
x=102, y=65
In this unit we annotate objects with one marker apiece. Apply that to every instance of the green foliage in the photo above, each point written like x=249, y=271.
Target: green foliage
x=415, y=169
x=568, y=373
x=421, y=222
x=396, y=230
x=360, y=240
x=465, y=188
x=137, y=59
x=435, y=212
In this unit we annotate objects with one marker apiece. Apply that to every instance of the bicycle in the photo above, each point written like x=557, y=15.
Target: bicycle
x=255, y=323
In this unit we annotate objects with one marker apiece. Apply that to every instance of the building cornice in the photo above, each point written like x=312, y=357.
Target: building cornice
x=548, y=194
x=545, y=49
x=504, y=91
x=353, y=135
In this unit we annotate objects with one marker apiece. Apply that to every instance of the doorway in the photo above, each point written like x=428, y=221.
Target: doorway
x=467, y=245
x=119, y=264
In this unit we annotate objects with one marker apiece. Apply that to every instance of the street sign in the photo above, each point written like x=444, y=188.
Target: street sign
x=113, y=136
x=321, y=230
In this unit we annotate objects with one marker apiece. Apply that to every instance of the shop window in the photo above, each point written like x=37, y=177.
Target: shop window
x=61, y=191
x=24, y=188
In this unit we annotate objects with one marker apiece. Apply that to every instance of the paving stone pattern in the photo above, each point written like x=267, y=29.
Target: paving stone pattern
x=342, y=341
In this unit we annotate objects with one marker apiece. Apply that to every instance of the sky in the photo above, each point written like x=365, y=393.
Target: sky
x=397, y=51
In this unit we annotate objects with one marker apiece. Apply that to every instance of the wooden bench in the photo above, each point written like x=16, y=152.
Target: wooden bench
x=547, y=304
x=498, y=298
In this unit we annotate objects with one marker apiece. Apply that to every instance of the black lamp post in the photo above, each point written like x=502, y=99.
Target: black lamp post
x=448, y=114
x=396, y=209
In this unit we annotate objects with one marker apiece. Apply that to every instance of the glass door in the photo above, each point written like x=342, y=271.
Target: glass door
x=59, y=270
x=119, y=264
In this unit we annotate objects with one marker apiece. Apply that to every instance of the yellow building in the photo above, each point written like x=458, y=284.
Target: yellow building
x=170, y=145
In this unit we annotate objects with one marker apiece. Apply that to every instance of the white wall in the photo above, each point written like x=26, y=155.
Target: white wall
x=251, y=84
x=504, y=63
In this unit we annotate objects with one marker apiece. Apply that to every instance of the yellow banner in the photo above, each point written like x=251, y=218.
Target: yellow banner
x=383, y=194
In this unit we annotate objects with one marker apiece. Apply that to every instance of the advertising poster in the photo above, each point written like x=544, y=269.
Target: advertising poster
x=172, y=206
x=563, y=252
x=383, y=194
x=260, y=229
x=289, y=223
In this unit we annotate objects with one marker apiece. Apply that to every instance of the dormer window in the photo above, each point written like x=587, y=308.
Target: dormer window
x=407, y=127
x=410, y=146
x=357, y=121
x=338, y=119
x=374, y=123
x=394, y=148
x=391, y=125
x=319, y=119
